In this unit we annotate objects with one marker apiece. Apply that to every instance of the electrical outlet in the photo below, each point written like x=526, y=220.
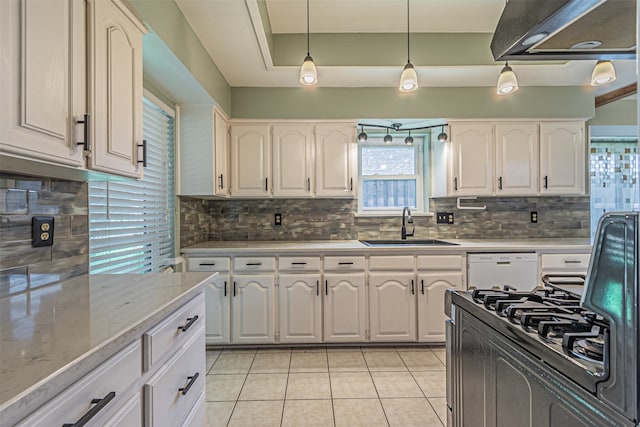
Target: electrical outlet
x=444, y=217
x=534, y=217
x=277, y=219
x=41, y=231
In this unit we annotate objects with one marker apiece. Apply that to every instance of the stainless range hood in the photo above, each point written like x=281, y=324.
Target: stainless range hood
x=566, y=29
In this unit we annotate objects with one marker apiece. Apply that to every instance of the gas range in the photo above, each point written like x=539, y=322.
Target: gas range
x=559, y=357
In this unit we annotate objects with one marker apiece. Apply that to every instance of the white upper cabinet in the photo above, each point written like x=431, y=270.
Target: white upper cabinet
x=42, y=89
x=292, y=160
x=336, y=172
x=562, y=158
x=473, y=170
x=204, y=151
x=250, y=160
x=516, y=158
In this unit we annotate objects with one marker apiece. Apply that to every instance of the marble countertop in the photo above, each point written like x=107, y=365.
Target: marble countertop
x=53, y=335
x=343, y=246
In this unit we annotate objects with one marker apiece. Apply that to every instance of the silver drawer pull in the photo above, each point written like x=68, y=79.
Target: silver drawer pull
x=184, y=390
x=100, y=404
x=190, y=322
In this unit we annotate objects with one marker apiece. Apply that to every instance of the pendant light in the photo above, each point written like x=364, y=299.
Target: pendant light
x=409, y=140
x=308, y=73
x=362, y=137
x=603, y=73
x=409, y=77
x=442, y=137
x=388, y=138
x=507, y=82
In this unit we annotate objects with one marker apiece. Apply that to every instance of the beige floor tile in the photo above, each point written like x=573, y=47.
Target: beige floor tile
x=308, y=386
x=358, y=413
x=307, y=413
x=264, y=387
x=421, y=361
x=441, y=354
x=346, y=361
x=211, y=358
x=384, y=361
x=410, y=412
x=224, y=387
x=366, y=349
x=352, y=385
x=245, y=350
x=423, y=348
x=257, y=413
x=396, y=384
x=274, y=350
x=232, y=363
x=309, y=362
x=432, y=383
x=439, y=404
x=218, y=413
x=318, y=349
x=271, y=363
x=341, y=349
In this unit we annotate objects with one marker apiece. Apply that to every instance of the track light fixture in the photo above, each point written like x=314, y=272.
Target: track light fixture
x=362, y=137
x=409, y=77
x=308, y=73
x=409, y=140
x=442, y=136
x=507, y=82
x=397, y=127
x=603, y=73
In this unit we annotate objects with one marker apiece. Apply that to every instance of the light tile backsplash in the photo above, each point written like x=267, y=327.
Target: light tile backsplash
x=335, y=219
x=23, y=266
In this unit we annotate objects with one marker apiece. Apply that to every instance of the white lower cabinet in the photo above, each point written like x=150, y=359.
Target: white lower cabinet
x=217, y=294
x=130, y=415
x=300, y=306
x=253, y=309
x=392, y=307
x=344, y=307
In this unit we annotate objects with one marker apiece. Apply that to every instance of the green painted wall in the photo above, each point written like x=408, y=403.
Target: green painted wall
x=427, y=102
x=166, y=20
x=619, y=113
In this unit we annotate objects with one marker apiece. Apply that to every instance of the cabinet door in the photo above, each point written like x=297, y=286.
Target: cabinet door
x=292, y=165
x=517, y=159
x=392, y=305
x=431, y=289
x=335, y=161
x=344, y=307
x=221, y=143
x=253, y=309
x=250, y=160
x=42, y=90
x=115, y=88
x=300, y=308
x=218, y=315
x=472, y=159
x=562, y=158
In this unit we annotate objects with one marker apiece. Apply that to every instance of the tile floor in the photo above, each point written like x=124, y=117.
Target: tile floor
x=353, y=386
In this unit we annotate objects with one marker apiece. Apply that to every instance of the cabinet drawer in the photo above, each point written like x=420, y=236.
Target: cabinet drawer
x=302, y=263
x=395, y=263
x=198, y=415
x=208, y=264
x=564, y=262
x=130, y=415
x=174, y=390
x=108, y=382
x=351, y=263
x=174, y=330
x=254, y=264
x=439, y=262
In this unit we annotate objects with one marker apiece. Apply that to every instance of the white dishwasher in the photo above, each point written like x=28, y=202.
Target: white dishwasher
x=518, y=270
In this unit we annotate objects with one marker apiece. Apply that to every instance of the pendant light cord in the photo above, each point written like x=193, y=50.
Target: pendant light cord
x=308, y=50
x=408, y=51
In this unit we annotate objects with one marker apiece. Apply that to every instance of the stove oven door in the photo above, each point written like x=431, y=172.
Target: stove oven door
x=494, y=382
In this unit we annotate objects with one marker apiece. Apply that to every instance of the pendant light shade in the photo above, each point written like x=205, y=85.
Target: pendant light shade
x=409, y=77
x=362, y=137
x=308, y=73
x=409, y=140
x=507, y=82
x=442, y=137
x=603, y=73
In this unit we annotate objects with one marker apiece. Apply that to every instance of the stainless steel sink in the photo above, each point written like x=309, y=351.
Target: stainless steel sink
x=408, y=242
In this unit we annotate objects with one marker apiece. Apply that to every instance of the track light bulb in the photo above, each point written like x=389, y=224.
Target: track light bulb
x=362, y=137
x=409, y=140
x=388, y=138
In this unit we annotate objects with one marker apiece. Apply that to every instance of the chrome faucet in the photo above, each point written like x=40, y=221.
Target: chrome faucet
x=403, y=231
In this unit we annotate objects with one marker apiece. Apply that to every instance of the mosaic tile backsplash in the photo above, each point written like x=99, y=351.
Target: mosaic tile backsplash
x=22, y=266
x=329, y=219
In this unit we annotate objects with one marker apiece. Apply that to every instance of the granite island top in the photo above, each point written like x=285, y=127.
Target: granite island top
x=53, y=335
x=352, y=246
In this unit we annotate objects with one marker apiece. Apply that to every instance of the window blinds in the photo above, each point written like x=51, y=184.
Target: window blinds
x=131, y=222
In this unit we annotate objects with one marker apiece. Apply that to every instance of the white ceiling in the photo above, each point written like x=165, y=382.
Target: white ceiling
x=233, y=35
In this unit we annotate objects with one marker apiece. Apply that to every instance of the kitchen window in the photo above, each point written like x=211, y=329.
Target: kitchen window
x=131, y=222
x=391, y=176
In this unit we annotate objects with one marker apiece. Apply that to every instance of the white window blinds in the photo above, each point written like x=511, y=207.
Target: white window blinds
x=131, y=222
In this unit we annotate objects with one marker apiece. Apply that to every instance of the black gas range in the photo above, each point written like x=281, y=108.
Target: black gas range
x=552, y=357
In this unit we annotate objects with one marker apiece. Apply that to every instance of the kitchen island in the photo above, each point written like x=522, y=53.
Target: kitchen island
x=54, y=336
